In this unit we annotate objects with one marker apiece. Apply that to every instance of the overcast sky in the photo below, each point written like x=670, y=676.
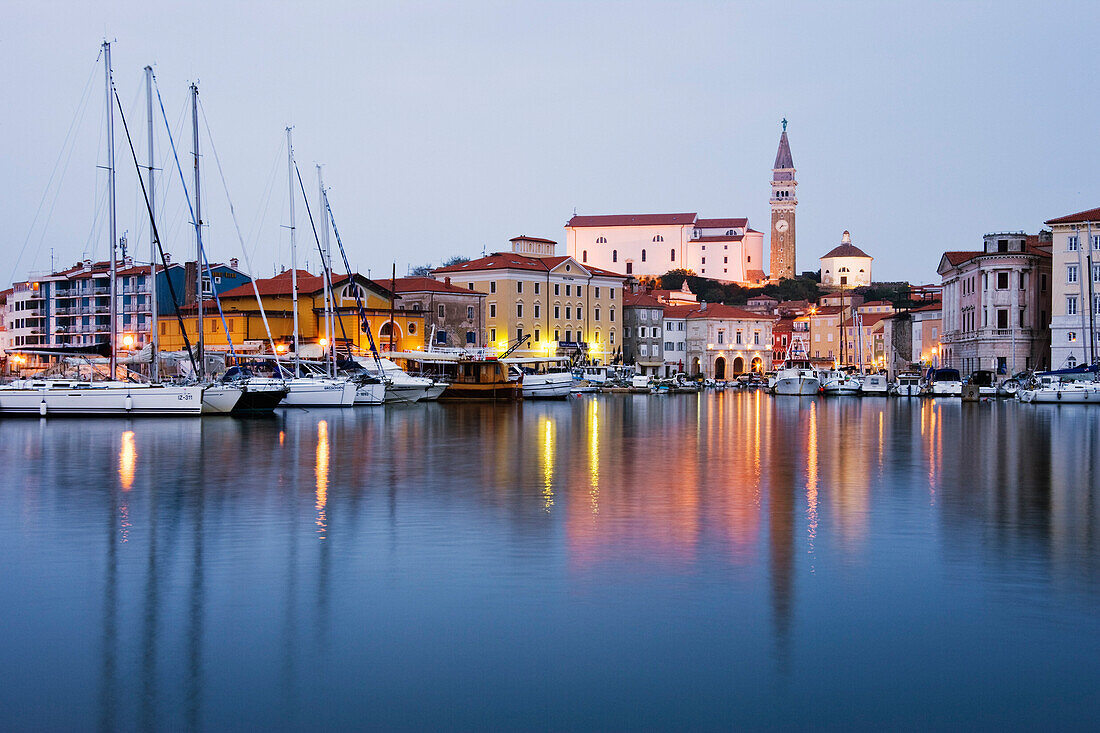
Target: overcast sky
x=447, y=128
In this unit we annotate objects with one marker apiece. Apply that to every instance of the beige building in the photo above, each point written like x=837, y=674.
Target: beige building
x=566, y=307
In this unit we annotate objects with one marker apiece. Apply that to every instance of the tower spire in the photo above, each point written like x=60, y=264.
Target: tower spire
x=783, y=203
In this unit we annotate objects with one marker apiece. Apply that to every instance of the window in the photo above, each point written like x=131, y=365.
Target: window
x=611, y=294
x=492, y=310
x=538, y=310
x=567, y=289
x=601, y=240
x=557, y=311
x=567, y=311
x=629, y=268
x=584, y=255
x=643, y=255
x=519, y=310
x=1071, y=273
x=442, y=311
x=597, y=291
x=557, y=335
x=738, y=336
x=519, y=286
x=672, y=255
x=470, y=286
x=1096, y=273
x=469, y=313
x=614, y=255
x=725, y=260
x=492, y=334
x=1096, y=241
x=1071, y=336
x=537, y=289
x=537, y=335
x=641, y=332
x=557, y=288
x=441, y=337
x=669, y=346
x=1002, y=318
x=492, y=286
x=644, y=349
x=519, y=333
x=704, y=261
x=568, y=335
x=644, y=315
x=1071, y=361
x=658, y=238
x=1002, y=278
x=656, y=332
x=612, y=315
x=412, y=327
x=1072, y=243
x=1071, y=305
x=596, y=314
x=611, y=336
x=756, y=338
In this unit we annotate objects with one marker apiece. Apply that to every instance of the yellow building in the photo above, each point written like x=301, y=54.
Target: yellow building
x=248, y=333
x=566, y=307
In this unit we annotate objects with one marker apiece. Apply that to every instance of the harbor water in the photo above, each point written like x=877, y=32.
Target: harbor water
x=699, y=561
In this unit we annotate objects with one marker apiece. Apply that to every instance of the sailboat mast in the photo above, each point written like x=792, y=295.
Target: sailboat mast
x=154, y=340
x=293, y=245
x=326, y=274
x=198, y=230
x=113, y=226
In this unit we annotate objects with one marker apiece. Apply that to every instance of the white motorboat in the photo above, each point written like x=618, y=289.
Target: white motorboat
x=946, y=383
x=542, y=377
x=319, y=392
x=908, y=384
x=838, y=383
x=640, y=384
x=876, y=385
x=74, y=397
x=400, y=385
x=986, y=382
x=797, y=381
x=433, y=392
x=1052, y=389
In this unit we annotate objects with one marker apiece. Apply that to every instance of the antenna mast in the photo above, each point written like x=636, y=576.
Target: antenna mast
x=113, y=307
x=293, y=245
x=198, y=231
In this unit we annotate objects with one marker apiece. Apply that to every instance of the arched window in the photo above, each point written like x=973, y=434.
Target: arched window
x=672, y=255
x=658, y=238
x=351, y=290
x=629, y=268
x=843, y=269
x=384, y=331
x=731, y=232
x=584, y=256
x=643, y=255
x=601, y=240
x=614, y=255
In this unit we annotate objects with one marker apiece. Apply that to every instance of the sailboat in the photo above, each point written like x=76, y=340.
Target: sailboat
x=796, y=376
x=59, y=395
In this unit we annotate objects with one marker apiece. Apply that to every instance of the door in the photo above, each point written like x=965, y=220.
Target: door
x=739, y=365
x=720, y=368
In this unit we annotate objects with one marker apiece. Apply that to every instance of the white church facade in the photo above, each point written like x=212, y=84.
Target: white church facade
x=726, y=249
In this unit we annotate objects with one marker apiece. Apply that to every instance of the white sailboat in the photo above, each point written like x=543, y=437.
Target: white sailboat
x=796, y=376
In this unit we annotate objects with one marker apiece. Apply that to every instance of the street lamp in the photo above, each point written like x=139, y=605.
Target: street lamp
x=128, y=341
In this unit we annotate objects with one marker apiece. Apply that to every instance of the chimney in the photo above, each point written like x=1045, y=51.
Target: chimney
x=234, y=263
x=128, y=261
x=168, y=258
x=702, y=305
x=87, y=264
x=447, y=280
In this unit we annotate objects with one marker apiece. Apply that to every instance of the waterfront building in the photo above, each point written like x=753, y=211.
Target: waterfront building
x=643, y=332
x=1075, y=289
x=454, y=316
x=784, y=200
x=674, y=348
x=71, y=307
x=724, y=341
x=783, y=333
x=925, y=330
x=764, y=304
x=824, y=331
x=845, y=266
x=997, y=303
x=566, y=306
x=393, y=329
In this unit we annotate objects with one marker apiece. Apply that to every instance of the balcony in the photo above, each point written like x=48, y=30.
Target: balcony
x=102, y=291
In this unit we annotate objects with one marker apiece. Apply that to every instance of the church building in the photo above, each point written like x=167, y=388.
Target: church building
x=724, y=249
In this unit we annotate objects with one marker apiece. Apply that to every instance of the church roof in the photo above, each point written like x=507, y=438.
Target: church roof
x=846, y=250
x=783, y=157
x=632, y=220
x=722, y=223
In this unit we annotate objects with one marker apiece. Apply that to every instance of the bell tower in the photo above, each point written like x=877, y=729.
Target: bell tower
x=783, y=202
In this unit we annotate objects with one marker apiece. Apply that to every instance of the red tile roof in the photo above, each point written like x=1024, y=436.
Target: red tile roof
x=281, y=284
x=828, y=310
x=875, y=303
x=959, y=257
x=720, y=238
x=513, y=261
x=1079, y=217
x=631, y=220
x=643, y=300
x=678, y=311
x=721, y=223
x=425, y=285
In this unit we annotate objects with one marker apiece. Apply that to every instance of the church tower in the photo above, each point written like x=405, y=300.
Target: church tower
x=783, y=202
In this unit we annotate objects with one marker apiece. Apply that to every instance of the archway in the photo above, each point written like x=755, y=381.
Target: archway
x=696, y=368
x=758, y=365
x=720, y=368
x=739, y=365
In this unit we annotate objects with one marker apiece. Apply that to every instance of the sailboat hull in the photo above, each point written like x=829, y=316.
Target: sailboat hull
x=122, y=400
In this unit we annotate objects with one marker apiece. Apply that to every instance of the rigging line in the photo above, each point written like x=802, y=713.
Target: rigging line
x=198, y=233
x=364, y=324
x=82, y=103
x=156, y=236
x=253, y=233
x=325, y=266
x=237, y=226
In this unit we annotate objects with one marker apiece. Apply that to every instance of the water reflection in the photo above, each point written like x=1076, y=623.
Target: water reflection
x=666, y=534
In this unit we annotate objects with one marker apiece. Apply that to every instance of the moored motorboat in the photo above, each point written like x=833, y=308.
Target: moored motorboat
x=945, y=383
x=875, y=385
x=834, y=382
x=76, y=397
x=908, y=384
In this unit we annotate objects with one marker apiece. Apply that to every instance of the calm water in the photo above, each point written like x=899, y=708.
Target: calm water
x=607, y=562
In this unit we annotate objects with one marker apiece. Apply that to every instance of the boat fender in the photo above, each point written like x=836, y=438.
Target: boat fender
x=42, y=408
x=1059, y=395
x=129, y=403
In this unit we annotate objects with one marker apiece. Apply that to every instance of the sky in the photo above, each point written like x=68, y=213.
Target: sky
x=447, y=128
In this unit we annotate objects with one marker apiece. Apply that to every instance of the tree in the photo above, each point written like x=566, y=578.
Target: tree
x=455, y=260
x=421, y=271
